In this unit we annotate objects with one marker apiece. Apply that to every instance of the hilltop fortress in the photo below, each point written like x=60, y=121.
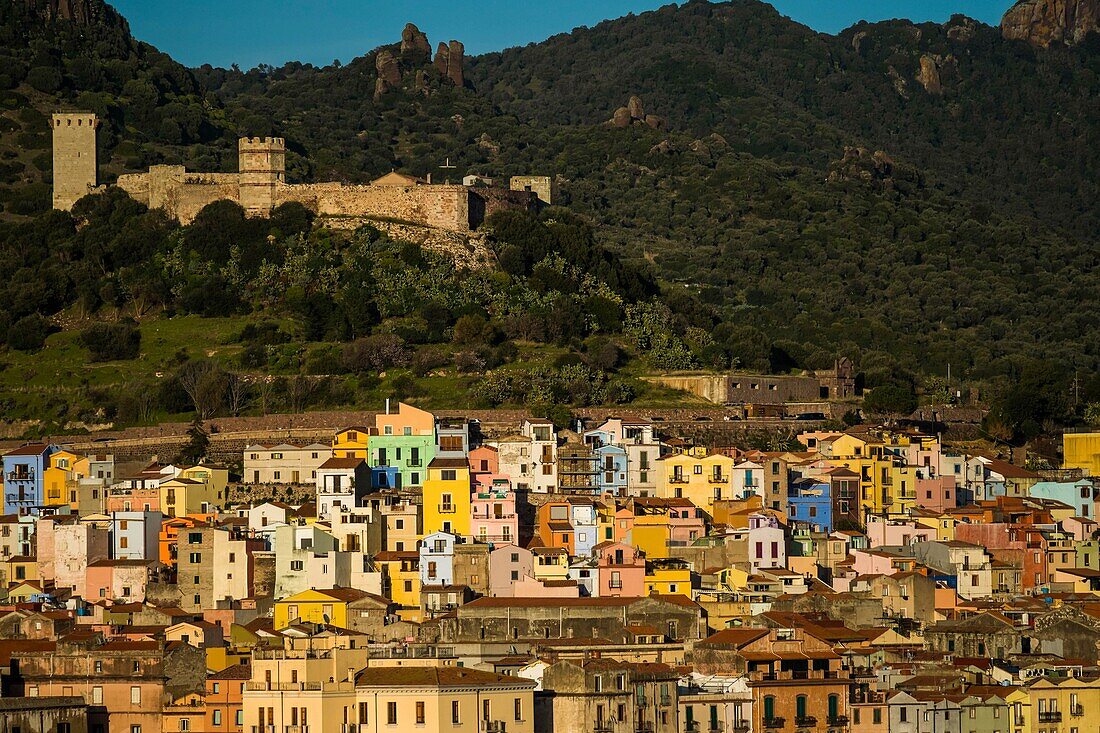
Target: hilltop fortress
x=260, y=185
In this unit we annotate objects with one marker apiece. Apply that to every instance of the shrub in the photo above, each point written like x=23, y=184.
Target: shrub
x=111, y=341
x=28, y=333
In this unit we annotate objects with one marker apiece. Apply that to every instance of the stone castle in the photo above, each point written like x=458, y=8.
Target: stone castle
x=260, y=185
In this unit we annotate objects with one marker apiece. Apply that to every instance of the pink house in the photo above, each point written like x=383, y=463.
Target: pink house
x=685, y=521
x=872, y=562
x=117, y=580
x=620, y=571
x=624, y=523
x=936, y=494
x=529, y=587
x=508, y=564
x=140, y=499
x=493, y=510
x=484, y=460
x=882, y=532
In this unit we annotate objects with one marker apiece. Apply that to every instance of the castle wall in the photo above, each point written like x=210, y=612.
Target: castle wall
x=484, y=202
x=181, y=194
x=442, y=206
x=541, y=186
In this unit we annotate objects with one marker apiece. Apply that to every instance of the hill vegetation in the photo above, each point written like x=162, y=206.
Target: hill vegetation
x=912, y=196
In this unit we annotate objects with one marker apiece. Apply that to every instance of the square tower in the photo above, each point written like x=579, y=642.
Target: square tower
x=262, y=166
x=74, y=157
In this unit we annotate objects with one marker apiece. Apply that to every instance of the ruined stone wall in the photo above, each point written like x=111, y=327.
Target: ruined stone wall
x=181, y=194
x=441, y=206
x=541, y=186
x=484, y=202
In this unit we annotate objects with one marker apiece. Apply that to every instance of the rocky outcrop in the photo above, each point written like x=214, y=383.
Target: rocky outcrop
x=415, y=48
x=81, y=12
x=634, y=114
x=449, y=60
x=935, y=70
x=1043, y=22
x=860, y=164
x=389, y=73
x=409, y=66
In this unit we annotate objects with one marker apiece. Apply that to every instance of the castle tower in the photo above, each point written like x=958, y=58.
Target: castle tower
x=74, y=157
x=262, y=166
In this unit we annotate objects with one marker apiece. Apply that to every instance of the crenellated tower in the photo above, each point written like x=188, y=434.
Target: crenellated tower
x=74, y=157
x=262, y=166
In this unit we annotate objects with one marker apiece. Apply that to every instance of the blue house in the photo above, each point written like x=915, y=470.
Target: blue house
x=611, y=460
x=1075, y=494
x=384, y=477
x=810, y=501
x=24, y=474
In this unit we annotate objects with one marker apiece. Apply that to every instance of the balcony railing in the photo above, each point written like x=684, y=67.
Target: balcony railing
x=1053, y=716
x=772, y=723
x=678, y=479
x=805, y=721
x=20, y=476
x=838, y=720
x=1077, y=711
x=797, y=674
x=615, y=584
x=446, y=508
x=719, y=479
x=477, y=515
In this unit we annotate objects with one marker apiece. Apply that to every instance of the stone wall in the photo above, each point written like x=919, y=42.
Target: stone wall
x=442, y=206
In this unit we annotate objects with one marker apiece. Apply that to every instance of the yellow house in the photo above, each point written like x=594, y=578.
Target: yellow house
x=943, y=523
x=667, y=577
x=64, y=468
x=328, y=606
x=436, y=699
x=1057, y=702
x=1019, y=707
x=400, y=576
x=447, y=497
x=700, y=479
x=550, y=563
x=216, y=476
x=650, y=534
x=351, y=443
x=1082, y=450
x=180, y=497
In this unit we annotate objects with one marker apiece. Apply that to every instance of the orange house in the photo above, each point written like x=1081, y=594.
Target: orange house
x=554, y=526
x=225, y=699
x=170, y=530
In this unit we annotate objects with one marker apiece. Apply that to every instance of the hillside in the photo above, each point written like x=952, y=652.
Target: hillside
x=796, y=196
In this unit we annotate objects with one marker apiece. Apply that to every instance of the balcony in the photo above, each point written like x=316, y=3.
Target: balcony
x=446, y=508
x=602, y=726
x=719, y=479
x=502, y=517
x=838, y=721
x=20, y=475
x=1077, y=711
x=773, y=723
x=1053, y=716
x=615, y=584
x=678, y=479
x=739, y=726
x=805, y=721
x=414, y=463
x=494, y=726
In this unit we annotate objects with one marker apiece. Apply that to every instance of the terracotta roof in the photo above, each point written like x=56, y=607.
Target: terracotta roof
x=233, y=672
x=30, y=449
x=341, y=463
x=449, y=463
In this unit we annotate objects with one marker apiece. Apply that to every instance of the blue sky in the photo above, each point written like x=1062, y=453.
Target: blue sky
x=249, y=32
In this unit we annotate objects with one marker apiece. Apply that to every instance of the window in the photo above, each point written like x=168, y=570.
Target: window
x=420, y=712
x=217, y=717
x=454, y=712
x=194, y=538
x=99, y=666
x=185, y=724
x=391, y=713
x=876, y=716
x=135, y=695
x=97, y=695
x=903, y=714
x=448, y=474
x=195, y=557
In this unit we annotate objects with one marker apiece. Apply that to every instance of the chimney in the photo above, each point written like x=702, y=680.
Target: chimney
x=387, y=405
